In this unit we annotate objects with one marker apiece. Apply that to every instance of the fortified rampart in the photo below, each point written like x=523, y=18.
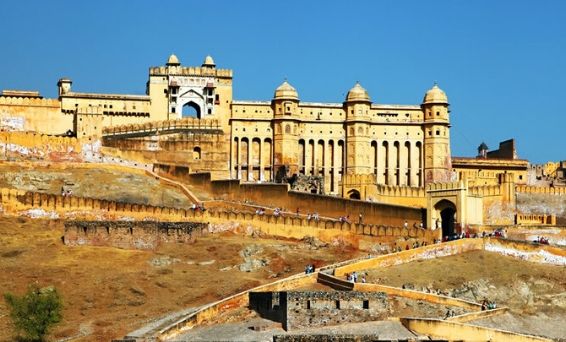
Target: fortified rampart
x=535, y=200
x=39, y=204
x=33, y=114
x=130, y=234
x=279, y=195
x=31, y=145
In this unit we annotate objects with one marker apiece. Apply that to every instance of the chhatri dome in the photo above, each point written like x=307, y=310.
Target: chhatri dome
x=208, y=62
x=357, y=93
x=435, y=95
x=173, y=60
x=285, y=91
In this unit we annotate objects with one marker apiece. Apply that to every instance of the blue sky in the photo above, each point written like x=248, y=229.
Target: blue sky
x=502, y=63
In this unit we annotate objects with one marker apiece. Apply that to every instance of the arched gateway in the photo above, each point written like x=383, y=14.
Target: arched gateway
x=445, y=217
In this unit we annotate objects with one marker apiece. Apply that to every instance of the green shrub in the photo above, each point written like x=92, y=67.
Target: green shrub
x=34, y=312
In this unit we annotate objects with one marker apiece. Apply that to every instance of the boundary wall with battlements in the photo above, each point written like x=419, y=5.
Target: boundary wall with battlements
x=33, y=114
x=49, y=205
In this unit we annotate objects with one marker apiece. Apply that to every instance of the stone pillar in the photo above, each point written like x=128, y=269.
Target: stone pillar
x=250, y=161
x=261, y=166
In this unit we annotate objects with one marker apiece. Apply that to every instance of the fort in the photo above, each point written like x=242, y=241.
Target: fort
x=372, y=185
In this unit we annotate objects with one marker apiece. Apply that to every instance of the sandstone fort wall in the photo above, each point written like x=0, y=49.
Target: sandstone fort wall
x=30, y=203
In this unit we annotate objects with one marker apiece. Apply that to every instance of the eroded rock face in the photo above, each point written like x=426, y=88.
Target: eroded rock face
x=252, y=261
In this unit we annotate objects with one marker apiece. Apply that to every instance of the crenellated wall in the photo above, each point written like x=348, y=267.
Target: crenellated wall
x=33, y=114
x=547, y=190
x=533, y=219
x=31, y=145
x=48, y=205
x=163, y=126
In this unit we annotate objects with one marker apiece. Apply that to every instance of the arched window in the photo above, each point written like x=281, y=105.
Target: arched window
x=287, y=129
x=196, y=153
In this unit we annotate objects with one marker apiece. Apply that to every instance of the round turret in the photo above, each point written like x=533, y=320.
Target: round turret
x=435, y=95
x=357, y=93
x=173, y=61
x=285, y=92
x=208, y=62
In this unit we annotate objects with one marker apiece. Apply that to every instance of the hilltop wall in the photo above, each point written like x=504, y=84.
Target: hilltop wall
x=542, y=201
x=33, y=114
x=36, y=146
x=55, y=206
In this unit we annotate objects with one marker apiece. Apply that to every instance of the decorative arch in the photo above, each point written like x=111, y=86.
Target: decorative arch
x=354, y=194
x=191, y=109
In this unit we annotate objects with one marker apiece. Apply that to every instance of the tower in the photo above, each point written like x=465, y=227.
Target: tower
x=64, y=86
x=437, y=160
x=285, y=106
x=357, y=106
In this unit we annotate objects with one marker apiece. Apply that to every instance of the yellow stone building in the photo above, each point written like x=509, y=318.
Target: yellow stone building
x=400, y=145
x=359, y=149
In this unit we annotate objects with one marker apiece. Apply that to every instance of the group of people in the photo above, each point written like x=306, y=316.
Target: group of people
x=353, y=277
x=260, y=211
x=542, y=240
x=488, y=305
x=309, y=269
x=313, y=216
x=66, y=193
x=277, y=212
x=198, y=207
x=344, y=219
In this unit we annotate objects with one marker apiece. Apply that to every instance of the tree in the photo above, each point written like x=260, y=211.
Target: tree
x=35, y=312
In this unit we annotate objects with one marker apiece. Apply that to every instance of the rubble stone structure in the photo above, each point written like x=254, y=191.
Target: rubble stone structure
x=130, y=234
x=306, y=309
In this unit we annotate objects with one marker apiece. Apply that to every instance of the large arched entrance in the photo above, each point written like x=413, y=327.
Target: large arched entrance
x=191, y=110
x=445, y=217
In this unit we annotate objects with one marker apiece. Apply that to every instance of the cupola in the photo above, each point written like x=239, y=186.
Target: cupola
x=285, y=92
x=357, y=93
x=208, y=62
x=173, y=61
x=435, y=95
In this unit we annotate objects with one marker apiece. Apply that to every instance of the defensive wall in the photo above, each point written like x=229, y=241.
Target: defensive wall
x=341, y=284
x=454, y=331
x=150, y=128
x=542, y=201
x=279, y=195
x=532, y=219
x=50, y=205
x=33, y=146
x=130, y=234
x=33, y=114
x=523, y=250
x=366, y=185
